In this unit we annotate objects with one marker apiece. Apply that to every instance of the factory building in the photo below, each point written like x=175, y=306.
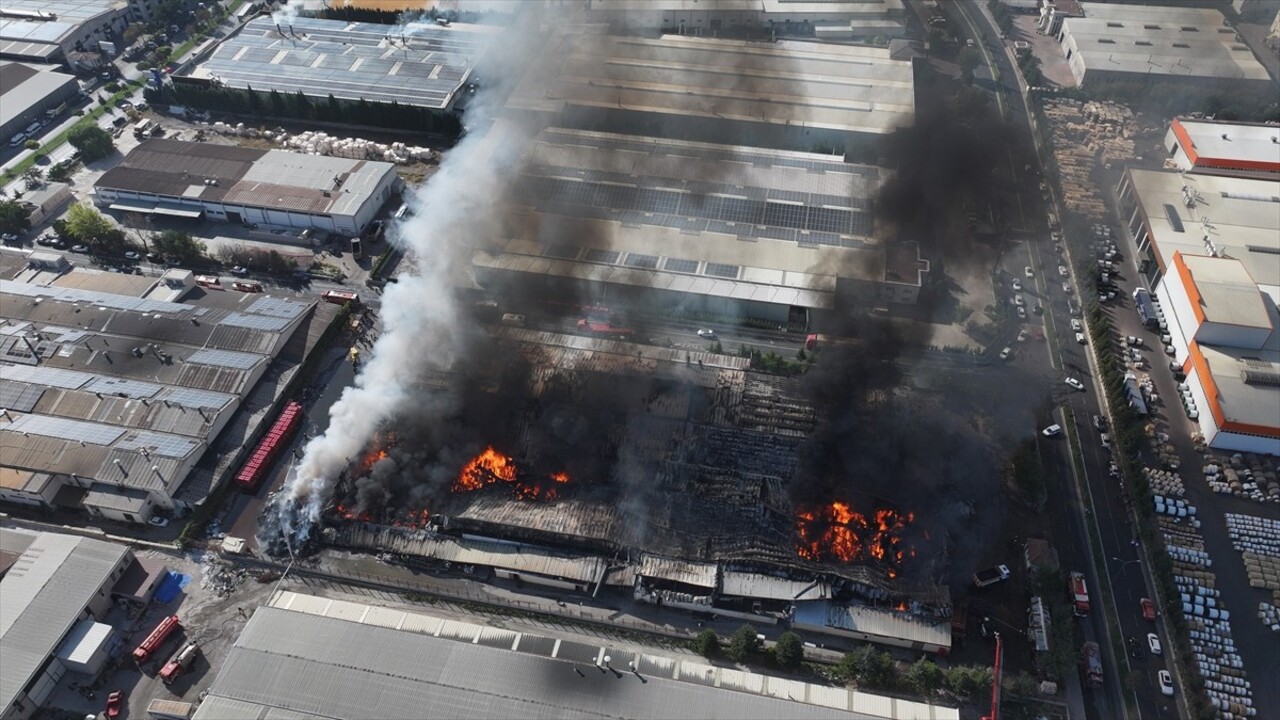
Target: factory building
x=792, y=95
x=112, y=393
x=825, y=19
x=875, y=625
x=363, y=661
x=773, y=235
x=28, y=93
x=426, y=67
x=1248, y=150
x=80, y=33
x=1207, y=245
x=247, y=185
x=1187, y=49
x=56, y=593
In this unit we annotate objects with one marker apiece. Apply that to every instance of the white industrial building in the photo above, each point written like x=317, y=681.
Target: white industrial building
x=27, y=92
x=54, y=597
x=1215, y=147
x=1209, y=246
x=71, y=31
x=357, y=660
x=110, y=397
x=773, y=235
x=1158, y=44
x=843, y=19
x=874, y=625
x=247, y=185
x=790, y=95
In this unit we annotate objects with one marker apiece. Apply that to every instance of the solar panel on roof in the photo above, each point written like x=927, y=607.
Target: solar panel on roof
x=51, y=377
x=721, y=270
x=277, y=307
x=19, y=397
x=255, y=322
x=225, y=358
x=637, y=260
x=163, y=444
x=66, y=429
x=194, y=398
x=123, y=386
x=597, y=255
x=680, y=266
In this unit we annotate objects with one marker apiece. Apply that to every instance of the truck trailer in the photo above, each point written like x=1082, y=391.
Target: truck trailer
x=991, y=576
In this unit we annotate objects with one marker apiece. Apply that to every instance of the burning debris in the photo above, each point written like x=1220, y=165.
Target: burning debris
x=838, y=533
x=491, y=467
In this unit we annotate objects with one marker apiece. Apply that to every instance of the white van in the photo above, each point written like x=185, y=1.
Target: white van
x=17, y=140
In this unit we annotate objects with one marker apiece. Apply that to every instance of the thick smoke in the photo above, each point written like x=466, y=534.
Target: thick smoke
x=288, y=12
x=422, y=327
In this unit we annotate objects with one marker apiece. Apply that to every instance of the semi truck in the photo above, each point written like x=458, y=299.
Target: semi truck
x=991, y=576
x=1079, y=594
x=1091, y=665
x=179, y=663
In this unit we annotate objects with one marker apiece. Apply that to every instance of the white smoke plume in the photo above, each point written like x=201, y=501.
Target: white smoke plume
x=453, y=212
x=287, y=13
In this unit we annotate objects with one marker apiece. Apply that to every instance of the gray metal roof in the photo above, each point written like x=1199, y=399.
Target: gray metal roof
x=194, y=172
x=294, y=662
x=22, y=86
x=423, y=67
x=41, y=599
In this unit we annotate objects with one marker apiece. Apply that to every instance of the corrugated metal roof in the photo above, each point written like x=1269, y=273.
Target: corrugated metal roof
x=120, y=499
x=874, y=621
x=682, y=571
x=334, y=668
x=771, y=587
x=42, y=596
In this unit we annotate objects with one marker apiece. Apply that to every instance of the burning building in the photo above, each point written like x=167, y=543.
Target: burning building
x=680, y=483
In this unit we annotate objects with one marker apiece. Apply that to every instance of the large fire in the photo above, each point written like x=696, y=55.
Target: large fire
x=491, y=466
x=377, y=452
x=838, y=532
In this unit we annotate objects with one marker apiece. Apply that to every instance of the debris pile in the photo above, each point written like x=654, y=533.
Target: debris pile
x=219, y=576
x=321, y=143
x=1087, y=134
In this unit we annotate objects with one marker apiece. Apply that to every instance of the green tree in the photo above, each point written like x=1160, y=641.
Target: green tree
x=92, y=141
x=31, y=144
x=866, y=665
x=925, y=676
x=133, y=32
x=742, y=643
x=13, y=217
x=178, y=245
x=86, y=225
x=788, y=651
x=707, y=643
x=968, y=680
x=969, y=59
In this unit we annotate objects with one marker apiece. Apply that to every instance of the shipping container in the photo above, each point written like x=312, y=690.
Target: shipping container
x=268, y=449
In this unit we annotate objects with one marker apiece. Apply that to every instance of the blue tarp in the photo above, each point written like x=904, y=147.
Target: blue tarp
x=170, y=587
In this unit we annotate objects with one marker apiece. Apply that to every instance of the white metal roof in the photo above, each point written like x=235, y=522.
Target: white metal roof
x=677, y=570
x=772, y=587
x=86, y=637
x=1229, y=295
x=19, y=96
x=1251, y=403
x=1161, y=40
x=42, y=597
x=1240, y=215
x=1233, y=141
x=794, y=83
x=288, y=662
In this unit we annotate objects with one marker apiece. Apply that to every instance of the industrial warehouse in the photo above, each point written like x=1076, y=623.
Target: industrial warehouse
x=363, y=661
x=791, y=95
x=113, y=391
x=733, y=231
x=30, y=94
x=421, y=65
x=1207, y=243
x=65, y=31
x=824, y=19
x=57, y=593
x=1160, y=45
x=247, y=185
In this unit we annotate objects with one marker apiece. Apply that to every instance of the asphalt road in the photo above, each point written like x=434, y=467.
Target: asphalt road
x=1067, y=358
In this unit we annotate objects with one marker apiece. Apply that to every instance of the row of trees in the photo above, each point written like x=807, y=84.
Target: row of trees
x=867, y=666
x=300, y=107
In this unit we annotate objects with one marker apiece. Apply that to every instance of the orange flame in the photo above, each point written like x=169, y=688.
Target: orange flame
x=837, y=532
x=348, y=514
x=491, y=466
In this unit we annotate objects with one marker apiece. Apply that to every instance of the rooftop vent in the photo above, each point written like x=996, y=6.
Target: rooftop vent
x=1259, y=372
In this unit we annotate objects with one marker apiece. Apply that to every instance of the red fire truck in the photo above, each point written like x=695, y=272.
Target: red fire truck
x=1079, y=594
x=156, y=638
x=179, y=663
